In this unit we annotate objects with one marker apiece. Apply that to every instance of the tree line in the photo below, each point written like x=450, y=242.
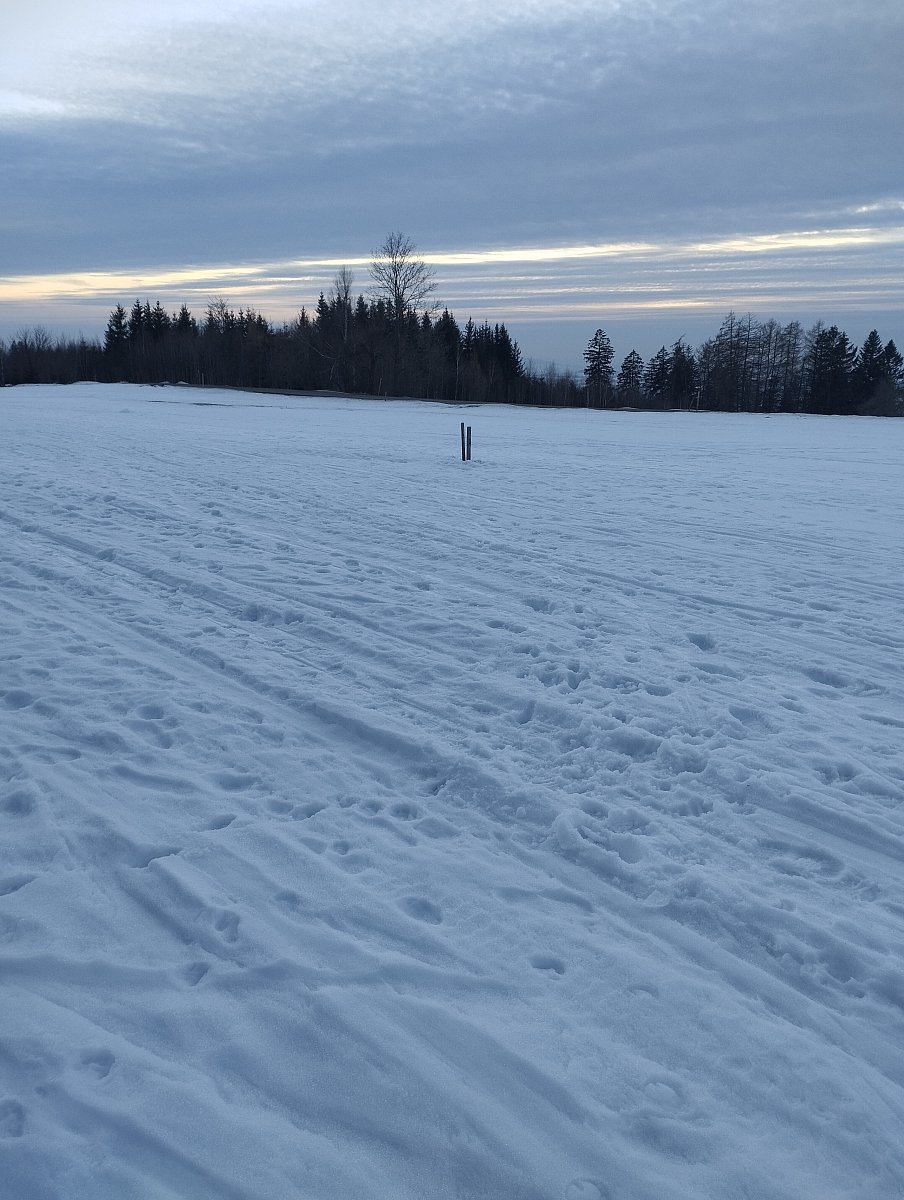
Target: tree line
x=754, y=366
x=393, y=342
x=389, y=343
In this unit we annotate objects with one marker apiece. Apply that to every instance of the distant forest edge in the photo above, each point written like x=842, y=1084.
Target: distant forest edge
x=393, y=343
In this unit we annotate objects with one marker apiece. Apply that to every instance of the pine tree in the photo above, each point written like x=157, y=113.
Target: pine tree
x=682, y=376
x=598, y=370
x=185, y=323
x=878, y=378
x=629, y=384
x=870, y=370
x=116, y=335
x=136, y=322
x=829, y=363
x=116, y=345
x=158, y=321
x=657, y=379
x=894, y=365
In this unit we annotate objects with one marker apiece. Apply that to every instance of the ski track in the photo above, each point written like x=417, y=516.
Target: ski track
x=375, y=824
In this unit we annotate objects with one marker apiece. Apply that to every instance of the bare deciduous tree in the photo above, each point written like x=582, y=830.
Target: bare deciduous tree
x=400, y=278
x=341, y=297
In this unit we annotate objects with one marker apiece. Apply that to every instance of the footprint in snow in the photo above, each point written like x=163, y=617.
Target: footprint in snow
x=151, y=732
x=436, y=827
x=836, y=772
x=19, y=802
x=548, y=962
x=141, y=857
x=234, y=781
x=587, y=1189
x=98, y=1063
x=194, y=973
x=644, y=989
x=227, y=923
x=805, y=862
x=12, y=1119
x=665, y=1095
x=14, y=883
x=657, y=689
x=827, y=677
x=540, y=604
x=355, y=863
x=752, y=718
x=421, y=910
x=310, y=808
x=405, y=811
x=222, y=822
x=703, y=641
x=315, y=844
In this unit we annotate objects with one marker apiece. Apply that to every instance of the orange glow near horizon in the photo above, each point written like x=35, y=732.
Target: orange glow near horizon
x=693, y=275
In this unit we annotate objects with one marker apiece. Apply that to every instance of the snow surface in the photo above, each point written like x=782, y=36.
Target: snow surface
x=378, y=825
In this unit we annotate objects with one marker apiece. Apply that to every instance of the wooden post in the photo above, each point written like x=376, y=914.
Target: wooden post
x=462, y=441
x=469, y=443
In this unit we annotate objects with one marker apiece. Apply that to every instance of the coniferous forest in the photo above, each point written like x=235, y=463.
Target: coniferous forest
x=393, y=343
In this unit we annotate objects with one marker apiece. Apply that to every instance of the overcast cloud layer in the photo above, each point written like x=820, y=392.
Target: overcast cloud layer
x=667, y=135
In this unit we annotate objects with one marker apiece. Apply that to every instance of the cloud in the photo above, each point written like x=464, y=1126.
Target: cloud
x=787, y=270
x=878, y=208
x=265, y=132
x=25, y=104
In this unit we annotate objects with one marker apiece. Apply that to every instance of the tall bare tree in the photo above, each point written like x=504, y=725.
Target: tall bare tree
x=400, y=278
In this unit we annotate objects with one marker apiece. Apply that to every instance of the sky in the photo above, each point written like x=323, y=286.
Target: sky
x=644, y=166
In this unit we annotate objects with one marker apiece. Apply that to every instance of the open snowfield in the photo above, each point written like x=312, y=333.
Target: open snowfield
x=375, y=826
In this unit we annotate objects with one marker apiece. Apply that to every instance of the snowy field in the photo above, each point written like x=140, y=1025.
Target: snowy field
x=375, y=826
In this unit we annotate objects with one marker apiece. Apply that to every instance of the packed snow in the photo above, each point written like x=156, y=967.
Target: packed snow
x=377, y=825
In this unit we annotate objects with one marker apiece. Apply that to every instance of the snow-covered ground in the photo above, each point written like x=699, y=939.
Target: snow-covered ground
x=375, y=825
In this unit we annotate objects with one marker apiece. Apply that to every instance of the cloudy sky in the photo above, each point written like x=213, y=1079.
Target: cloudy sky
x=643, y=165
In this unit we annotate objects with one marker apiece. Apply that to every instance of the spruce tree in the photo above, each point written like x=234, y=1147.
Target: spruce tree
x=629, y=384
x=657, y=379
x=116, y=335
x=598, y=370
